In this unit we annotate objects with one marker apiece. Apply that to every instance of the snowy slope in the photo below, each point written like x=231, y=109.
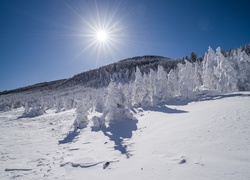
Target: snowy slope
x=212, y=135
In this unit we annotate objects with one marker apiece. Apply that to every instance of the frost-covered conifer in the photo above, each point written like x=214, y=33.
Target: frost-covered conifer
x=160, y=92
x=226, y=74
x=115, y=109
x=33, y=109
x=172, y=84
x=210, y=81
x=139, y=90
x=242, y=66
x=81, y=120
x=82, y=111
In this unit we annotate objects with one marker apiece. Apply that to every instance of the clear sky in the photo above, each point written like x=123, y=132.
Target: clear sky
x=45, y=40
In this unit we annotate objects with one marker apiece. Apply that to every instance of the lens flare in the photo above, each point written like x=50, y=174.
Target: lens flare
x=102, y=31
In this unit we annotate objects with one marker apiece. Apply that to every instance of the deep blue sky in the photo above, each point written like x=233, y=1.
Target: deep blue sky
x=44, y=40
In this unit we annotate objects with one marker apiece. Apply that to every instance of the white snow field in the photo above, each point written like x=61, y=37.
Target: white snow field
x=205, y=139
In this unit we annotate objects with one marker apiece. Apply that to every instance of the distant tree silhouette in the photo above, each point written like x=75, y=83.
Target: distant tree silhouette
x=193, y=57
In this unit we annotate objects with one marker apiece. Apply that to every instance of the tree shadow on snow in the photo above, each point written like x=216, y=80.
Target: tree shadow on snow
x=70, y=137
x=205, y=97
x=119, y=131
x=215, y=97
x=164, y=109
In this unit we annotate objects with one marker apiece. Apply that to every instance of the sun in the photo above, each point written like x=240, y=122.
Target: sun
x=102, y=36
x=102, y=31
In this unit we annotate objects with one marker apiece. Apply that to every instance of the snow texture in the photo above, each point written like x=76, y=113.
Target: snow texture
x=205, y=139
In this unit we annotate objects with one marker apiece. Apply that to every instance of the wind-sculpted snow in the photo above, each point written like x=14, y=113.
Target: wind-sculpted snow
x=136, y=82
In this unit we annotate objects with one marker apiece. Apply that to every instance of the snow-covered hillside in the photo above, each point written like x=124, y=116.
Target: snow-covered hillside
x=113, y=91
x=205, y=139
x=141, y=118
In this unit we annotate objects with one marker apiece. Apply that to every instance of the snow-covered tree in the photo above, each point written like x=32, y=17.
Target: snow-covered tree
x=139, y=90
x=115, y=109
x=82, y=111
x=172, y=84
x=226, y=74
x=160, y=92
x=242, y=66
x=188, y=79
x=33, y=109
x=210, y=80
